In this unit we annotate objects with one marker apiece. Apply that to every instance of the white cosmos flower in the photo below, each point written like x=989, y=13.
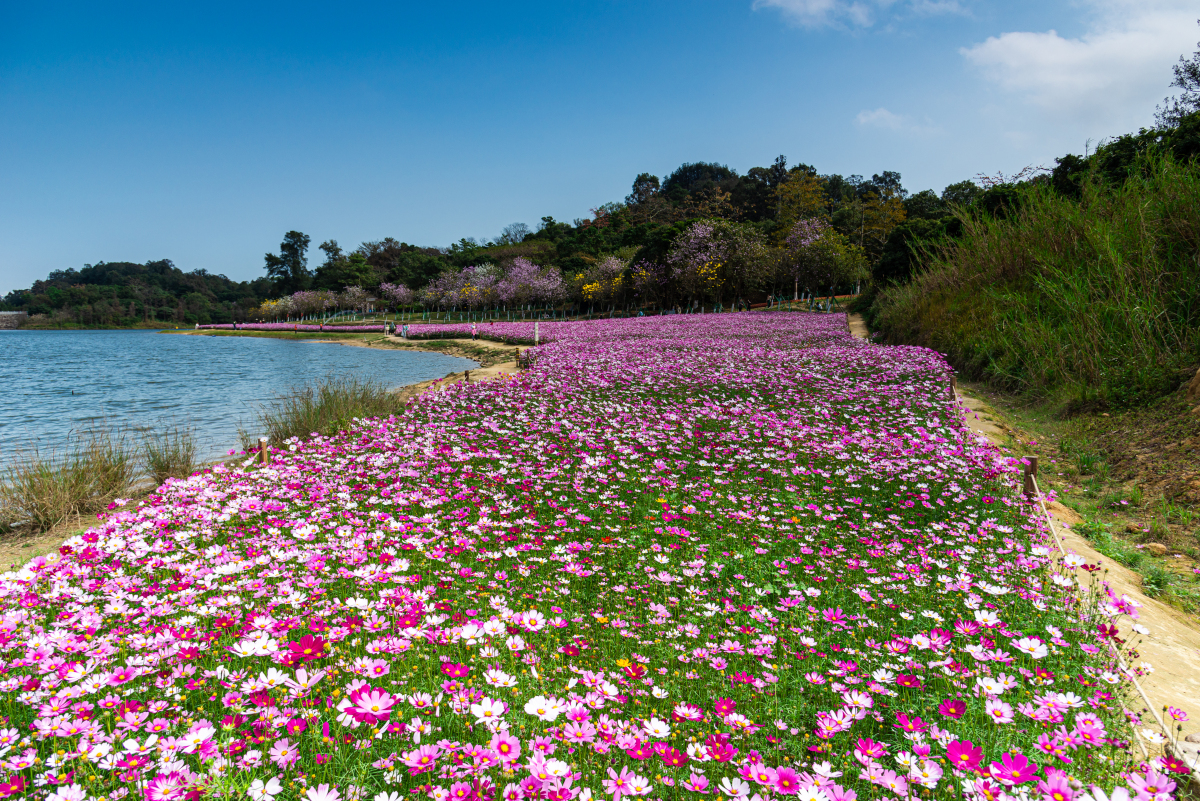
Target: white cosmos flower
x=487, y=709
x=260, y=791
x=656, y=728
x=734, y=788
x=498, y=678
x=543, y=708
x=1035, y=648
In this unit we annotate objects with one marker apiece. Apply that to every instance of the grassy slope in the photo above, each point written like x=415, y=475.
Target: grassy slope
x=1089, y=302
x=1133, y=475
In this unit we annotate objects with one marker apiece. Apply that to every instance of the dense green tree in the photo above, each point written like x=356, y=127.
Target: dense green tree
x=701, y=176
x=925, y=205
x=904, y=250
x=288, y=271
x=963, y=193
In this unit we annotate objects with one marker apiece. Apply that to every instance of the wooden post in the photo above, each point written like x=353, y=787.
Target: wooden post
x=264, y=455
x=1031, y=469
x=953, y=386
x=518, y=358
x=467, y=376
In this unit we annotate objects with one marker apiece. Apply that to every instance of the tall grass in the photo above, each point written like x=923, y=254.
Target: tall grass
x=1096, y=300
x=326, y=408
x=42, y=487
x=169, y=453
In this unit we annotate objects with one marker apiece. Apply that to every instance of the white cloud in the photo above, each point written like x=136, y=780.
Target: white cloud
x=889, y=120
x=858, y=13
x=1114, y=73
x=817, y=13
x=930, y=8
x=881, y=118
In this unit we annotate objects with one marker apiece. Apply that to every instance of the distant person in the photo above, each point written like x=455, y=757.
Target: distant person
x=474, y=331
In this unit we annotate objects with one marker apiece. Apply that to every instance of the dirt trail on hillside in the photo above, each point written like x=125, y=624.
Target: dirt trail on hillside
x=1173, y=645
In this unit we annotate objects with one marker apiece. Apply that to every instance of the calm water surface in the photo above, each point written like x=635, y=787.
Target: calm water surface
x=59, y=381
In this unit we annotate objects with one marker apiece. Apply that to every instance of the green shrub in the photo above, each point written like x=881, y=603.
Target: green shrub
x=1155, y=580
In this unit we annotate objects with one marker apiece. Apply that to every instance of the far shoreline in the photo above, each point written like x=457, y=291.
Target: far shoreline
x=485, y=353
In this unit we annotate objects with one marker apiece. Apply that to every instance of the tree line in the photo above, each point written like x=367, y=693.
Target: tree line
x=703, y=234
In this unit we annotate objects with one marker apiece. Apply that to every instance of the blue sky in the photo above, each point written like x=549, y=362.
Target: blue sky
x=203, y=132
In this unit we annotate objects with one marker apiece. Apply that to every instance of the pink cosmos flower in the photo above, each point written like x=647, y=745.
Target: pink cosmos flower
x=953, y=708
x=372, y=705
x=1013, y=769
x=787, y=781
x=964, y=755
x=166, y=787
x=1055, y=787
x=673, y=758
x=1153, y=786
x=905, y=723
x=761, y=774
x=998, y=711
x=283, y=753
x=618, y=784
x=507, y=747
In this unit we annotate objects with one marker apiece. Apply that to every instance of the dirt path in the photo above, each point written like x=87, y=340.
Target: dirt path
x=1173, y=645
x=503, y=370
x=483, y=351
x=20, y=545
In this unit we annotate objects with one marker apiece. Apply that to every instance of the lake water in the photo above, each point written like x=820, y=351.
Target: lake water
x=58, y=381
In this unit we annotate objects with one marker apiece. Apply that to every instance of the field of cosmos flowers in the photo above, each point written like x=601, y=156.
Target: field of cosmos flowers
x=737, y=556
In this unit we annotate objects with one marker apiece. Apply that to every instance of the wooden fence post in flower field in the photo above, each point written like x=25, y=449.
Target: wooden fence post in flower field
x=953, y=387
x=1030, y=471
x=467, y=376
x=264, y=455
x=535, y=332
